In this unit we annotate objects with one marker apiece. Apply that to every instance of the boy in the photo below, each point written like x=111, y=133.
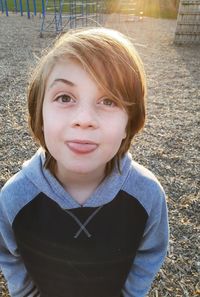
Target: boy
x=82, y=219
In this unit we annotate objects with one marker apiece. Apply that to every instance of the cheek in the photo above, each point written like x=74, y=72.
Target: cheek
x=50, y=130
x=49, y=126
x=118, y=131
x=50, y=118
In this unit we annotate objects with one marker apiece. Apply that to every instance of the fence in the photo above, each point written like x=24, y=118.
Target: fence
x=58, y=15
x=19, y=6
x=188, y=23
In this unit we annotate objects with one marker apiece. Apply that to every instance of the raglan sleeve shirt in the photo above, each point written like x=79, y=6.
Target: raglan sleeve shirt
x=135, y=182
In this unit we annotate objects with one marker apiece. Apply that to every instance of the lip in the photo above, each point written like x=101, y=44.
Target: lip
x=81, y=146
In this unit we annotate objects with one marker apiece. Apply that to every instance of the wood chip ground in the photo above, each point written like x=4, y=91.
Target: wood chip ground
x=169, y=144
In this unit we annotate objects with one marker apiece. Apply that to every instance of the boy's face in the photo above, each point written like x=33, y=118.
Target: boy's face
x=83, y=129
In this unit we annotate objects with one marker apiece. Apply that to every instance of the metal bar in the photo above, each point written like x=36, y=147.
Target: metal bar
x=60, y=14
x=1, y=5
x=34, y=7
x=55, y=15
x=75, y=13
x=28, y=9
x=43, y=8
x=6, y=7
x=21, y=7
x=15, y=5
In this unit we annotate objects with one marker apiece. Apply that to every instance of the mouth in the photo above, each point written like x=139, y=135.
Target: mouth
x=81, y=146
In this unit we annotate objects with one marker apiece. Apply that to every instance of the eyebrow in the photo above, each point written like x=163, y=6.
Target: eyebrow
x=63, y=80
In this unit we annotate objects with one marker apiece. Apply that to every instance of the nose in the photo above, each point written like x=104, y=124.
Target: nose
x=85, y=117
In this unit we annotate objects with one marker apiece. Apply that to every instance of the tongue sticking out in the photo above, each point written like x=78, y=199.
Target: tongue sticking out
x=81, y=148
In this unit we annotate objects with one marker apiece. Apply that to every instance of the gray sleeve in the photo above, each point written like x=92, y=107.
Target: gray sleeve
x=18, y=281
x=151, y=253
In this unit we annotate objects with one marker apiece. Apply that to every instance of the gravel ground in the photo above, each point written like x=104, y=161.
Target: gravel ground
x=169, y=144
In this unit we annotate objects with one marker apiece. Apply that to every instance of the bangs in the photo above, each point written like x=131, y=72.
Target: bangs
x=110, y=65
x=111, y=60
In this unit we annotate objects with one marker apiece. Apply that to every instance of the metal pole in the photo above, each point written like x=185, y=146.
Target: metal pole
x=97, y=7
x=86, y=15
x=15, y=4
x=82, y=12
x=75, y=14
x=43, y=17
x=28, y=9
x=55, y=19
x=1, y=5
x=60, y=13
x=71, y=11
x=34, y=8
x=6, y=7
x=21, y=7
x=43, y=8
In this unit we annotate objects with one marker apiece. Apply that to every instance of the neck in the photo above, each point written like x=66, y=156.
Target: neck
x=80, y=186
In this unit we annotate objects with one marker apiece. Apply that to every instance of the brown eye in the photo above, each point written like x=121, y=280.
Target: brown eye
x=64, y=99
x=108, y=102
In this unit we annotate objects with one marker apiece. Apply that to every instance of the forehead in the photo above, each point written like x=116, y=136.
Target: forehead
x=66, y=68
x=73, y=74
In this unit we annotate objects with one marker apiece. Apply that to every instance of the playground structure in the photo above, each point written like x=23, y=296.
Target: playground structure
x=59, y=15
x=127, y=11
x=188, y=23
x=70, y=14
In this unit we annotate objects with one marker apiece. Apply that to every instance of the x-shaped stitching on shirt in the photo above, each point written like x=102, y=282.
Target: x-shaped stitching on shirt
x=83, y=225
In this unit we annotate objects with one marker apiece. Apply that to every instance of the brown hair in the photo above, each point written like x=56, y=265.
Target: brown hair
x=112, y=61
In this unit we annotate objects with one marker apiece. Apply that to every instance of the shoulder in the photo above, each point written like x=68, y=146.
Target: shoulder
x=17, y=192
x=142, y=184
